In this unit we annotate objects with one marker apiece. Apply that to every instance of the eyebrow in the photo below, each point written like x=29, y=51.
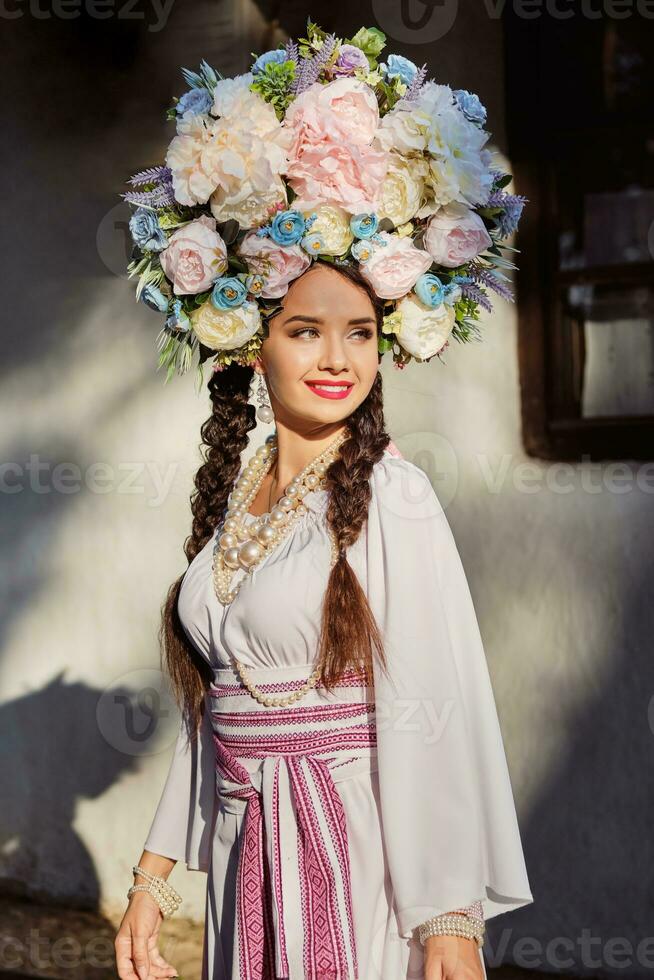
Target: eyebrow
x=314, y=319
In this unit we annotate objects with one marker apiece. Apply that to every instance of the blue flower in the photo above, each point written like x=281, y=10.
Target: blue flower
x=287, y=227
x=195, y=101
x=255, y=283
x=364, y=225
x=146, y=231
x=276, y=57
x=451, y=293
x=313, y=243
x=178, y=320
x=228, y=292
x=155, y=299
x=429, y=289
x=361, y=251
x=470, y=105
x=396, y=66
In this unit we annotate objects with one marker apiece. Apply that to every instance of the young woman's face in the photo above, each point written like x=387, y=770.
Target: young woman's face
x=326, y=332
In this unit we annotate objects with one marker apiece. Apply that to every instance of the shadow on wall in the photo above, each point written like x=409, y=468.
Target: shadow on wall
x=54, y=756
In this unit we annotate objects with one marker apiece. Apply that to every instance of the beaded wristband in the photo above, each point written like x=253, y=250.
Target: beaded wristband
x=453, y=924
x=164, y=894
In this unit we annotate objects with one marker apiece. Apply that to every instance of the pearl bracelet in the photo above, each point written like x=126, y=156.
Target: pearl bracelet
x=453, y=924
x=164, y=894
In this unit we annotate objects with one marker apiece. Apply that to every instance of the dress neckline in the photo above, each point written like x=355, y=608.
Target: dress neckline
x=310, y=494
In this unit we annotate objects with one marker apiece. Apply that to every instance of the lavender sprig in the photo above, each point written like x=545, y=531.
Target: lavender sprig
x=155, y=175
x=486, y=277
x=160, y=197
x=310, y=68
x=292, y=53
x=477, y=295
x=417, y=83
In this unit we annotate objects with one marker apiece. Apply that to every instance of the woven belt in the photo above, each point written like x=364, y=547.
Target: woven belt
x=294, y=822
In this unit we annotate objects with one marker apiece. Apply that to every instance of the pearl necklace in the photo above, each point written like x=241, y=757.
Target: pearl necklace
x=244, y=546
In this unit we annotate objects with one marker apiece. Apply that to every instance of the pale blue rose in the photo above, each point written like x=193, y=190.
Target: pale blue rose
x=276, y=57
x=364, y=225
x=228, y=292
x=470, y=105
x=287, y=227
x=155, y=299
x=146, y=231
x=178, y=320
x=196, y=101
x=451, y=293
x=396, y=66
x=361, y=250
x=429, y=289
x=255, y=283
x=313, y=243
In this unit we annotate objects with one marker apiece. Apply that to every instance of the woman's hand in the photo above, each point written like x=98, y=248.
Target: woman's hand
x=452, y=958
x=137, y=953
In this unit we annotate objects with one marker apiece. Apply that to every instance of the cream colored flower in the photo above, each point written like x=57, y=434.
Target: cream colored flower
x=207, y=154
x=423, y=330
x=225, y=329
x=333, y=223
x=403, y=188
x=247, y=206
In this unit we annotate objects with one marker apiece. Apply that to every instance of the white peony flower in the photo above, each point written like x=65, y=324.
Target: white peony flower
x=228, y=91
x=225, y=329
x=208, y=154
x=403, y=188
x=423, y=330
x=434, y=125
x=245, y=205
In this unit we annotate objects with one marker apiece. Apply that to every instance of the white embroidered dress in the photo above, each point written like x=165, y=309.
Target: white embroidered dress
x=366, y=810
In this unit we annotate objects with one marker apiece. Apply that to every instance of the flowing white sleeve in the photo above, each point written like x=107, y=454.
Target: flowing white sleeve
x=448, y=816
x=182, y=828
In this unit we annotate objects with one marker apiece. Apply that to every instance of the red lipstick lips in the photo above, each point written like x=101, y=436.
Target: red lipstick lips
x=330, y=389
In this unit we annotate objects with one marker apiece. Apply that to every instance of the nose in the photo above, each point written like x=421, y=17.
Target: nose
x=333, y=355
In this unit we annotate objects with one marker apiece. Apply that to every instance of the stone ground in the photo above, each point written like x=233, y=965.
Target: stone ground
x=39, y=941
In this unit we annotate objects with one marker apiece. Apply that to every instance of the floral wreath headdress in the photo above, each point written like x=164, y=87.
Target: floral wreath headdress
x=320, y=153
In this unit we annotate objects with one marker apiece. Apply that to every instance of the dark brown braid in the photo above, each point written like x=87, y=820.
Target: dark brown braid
x=349, y=634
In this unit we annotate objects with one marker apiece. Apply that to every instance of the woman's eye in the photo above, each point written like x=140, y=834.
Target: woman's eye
x=364, y=332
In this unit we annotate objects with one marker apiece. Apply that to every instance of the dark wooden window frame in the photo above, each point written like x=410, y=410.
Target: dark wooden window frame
x=550, y=353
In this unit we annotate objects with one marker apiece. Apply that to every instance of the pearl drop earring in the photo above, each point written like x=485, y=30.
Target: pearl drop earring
x=264, y=411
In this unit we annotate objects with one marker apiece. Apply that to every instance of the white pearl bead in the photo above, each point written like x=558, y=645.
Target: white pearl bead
x=267, y=535
x=249, y=553
x=292, y=491
x=278, y=516
x=231, y=558
x=230, y=525
x=227, y=541
x=243, y=533
x=286, y=503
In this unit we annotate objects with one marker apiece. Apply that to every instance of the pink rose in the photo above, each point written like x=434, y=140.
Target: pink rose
x=393, y=269
x=331, y=159
x=454, y=235
x=279, y=264
x=195, y=256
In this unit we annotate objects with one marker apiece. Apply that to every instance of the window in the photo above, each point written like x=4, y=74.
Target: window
x=580, y=122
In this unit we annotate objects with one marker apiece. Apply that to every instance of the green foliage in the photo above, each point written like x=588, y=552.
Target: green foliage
x=370, y=40
x=273, y=85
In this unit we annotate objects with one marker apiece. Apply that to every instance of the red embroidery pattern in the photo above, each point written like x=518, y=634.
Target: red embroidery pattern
x=329, y=732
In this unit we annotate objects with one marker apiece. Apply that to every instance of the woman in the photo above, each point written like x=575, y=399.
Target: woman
x=370, y=796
